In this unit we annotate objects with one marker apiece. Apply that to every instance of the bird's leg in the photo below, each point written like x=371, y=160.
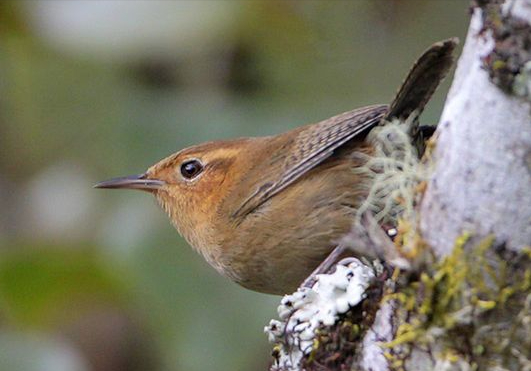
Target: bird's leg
x=326, y=265
x=339, y=256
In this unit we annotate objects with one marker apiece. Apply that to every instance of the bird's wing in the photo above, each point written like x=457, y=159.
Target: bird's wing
x=315, y=143
x=311, y=146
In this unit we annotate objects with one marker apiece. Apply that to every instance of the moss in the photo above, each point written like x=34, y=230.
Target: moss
x=459, y=308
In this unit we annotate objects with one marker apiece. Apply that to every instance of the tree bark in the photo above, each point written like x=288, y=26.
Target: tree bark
x=482, y=182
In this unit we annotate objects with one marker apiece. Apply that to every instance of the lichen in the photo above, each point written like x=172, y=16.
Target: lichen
x=318, y=322
x=509, y=62
x=394, y=171
x=522, y=81
x=398, y=178
x=458, y=309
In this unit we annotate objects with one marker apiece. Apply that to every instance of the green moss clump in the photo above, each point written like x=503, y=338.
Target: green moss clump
x=464, y=308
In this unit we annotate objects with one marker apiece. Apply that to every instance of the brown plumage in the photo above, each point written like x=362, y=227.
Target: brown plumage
x=266, y=211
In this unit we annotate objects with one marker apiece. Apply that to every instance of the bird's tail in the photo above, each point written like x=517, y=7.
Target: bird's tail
x=418, y=87
x=422, y=80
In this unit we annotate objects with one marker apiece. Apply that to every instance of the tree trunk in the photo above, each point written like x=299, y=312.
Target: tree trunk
x=482, y=182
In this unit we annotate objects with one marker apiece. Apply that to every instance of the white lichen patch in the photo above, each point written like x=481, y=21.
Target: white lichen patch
x=304, y=312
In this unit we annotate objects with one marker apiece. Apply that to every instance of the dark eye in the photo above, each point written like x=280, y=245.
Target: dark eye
x=191, y=168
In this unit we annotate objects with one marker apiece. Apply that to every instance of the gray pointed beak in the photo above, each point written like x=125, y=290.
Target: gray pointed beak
x=132, y=182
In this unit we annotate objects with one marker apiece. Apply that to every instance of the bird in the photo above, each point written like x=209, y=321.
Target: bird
x=266, y=211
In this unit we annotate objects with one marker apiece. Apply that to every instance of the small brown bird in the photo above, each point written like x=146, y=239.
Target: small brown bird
x=267, y=211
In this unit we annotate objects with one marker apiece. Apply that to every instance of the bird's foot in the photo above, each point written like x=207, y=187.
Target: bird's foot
x=335, y=257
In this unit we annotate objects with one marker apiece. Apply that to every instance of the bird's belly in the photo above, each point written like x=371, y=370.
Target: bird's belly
x=280, y=266
x=285, y=252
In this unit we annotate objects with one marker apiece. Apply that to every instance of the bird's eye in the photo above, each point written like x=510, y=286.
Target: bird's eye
x=190, y=169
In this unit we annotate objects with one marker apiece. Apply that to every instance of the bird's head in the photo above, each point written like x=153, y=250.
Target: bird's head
x=192, y=186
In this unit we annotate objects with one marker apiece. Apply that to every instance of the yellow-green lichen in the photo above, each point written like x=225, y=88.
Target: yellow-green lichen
x=462, y=300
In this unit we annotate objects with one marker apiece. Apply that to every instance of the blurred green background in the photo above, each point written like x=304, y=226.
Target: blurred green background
x=99, y=280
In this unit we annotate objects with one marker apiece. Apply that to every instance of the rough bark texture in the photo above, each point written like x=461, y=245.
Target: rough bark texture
x=482, y=182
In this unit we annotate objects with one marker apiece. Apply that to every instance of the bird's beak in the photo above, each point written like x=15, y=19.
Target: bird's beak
x=140, y=182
